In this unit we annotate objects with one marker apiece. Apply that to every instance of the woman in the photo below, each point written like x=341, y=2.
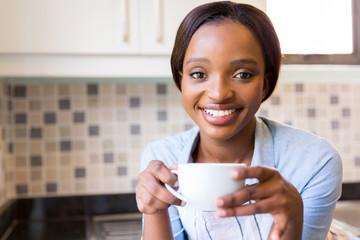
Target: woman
x=226, y=62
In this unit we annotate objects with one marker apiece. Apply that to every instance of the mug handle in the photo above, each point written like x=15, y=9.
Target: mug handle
x=173, y=191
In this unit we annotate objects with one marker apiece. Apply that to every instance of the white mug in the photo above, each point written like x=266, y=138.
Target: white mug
x=200, y=184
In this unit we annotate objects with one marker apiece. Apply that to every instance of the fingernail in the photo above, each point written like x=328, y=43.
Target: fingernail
x=220, y=202
x=222, y=213
x=234, y=174
x=182, y=204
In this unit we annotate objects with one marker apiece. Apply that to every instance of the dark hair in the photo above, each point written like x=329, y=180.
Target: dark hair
x=217, y=12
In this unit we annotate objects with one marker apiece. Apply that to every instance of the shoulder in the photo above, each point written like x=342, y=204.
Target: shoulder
x=287, y=137
x=168, y=149
x=301, y=156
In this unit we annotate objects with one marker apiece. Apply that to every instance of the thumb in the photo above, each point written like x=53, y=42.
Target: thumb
x=174, y=167
x=277, y=230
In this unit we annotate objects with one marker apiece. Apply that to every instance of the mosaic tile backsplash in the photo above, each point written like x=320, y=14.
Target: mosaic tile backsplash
x=87, y=138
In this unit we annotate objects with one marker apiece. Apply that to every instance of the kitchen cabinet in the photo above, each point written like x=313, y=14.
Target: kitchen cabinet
x=84, y=38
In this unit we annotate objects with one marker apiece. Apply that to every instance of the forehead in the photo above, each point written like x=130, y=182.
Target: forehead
x=228, y=38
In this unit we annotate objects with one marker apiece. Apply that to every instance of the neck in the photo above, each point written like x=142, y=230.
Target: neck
x=237, y=149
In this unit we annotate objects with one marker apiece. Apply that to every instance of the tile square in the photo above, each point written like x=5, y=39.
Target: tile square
x=162, y=116
x=35, y=161
x=65, y=146
x=92, y=89
x=134, y=102
x=64, y=104
x=161, y=89
x=135, y=129
x=20, y=118
x=79, y=117
x=35, y=105
x=108, y=157
x=19, y=91
x=21, y=189
x=51, y=187
x=64, y=89
x=80, y=172
x=94, y=130
x=122, y=171
x=36, y=133
x=50, y=118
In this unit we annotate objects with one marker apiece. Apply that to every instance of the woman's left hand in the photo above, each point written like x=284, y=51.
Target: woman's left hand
x=272, y=194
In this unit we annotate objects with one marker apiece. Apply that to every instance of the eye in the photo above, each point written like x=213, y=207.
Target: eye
x=244, y=75
x=197, y=75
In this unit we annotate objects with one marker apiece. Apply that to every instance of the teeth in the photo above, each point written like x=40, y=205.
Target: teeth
x=219, y=113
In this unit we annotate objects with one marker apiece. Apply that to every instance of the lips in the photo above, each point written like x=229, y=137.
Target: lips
x=220, y=116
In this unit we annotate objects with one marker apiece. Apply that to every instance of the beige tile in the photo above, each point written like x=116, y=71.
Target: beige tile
x=50, y=132
x=94, y=173
x=51, y=146
x=65, y=187
x=108, y=116
x=80, y=186
x=94, y=116
x=49, y=90
x=64, y=90
x=79, y=145
x=36, y=119
x=78, y=89
x=121, y=89
x=79, y=103
x=34, y=90
x=65, y=132
x=122, y=157
x=50, y=105
x=34, y=105
x=50, y=174
x=20, y=161
x=36, y=175
x=109, y=172
x=78, y=159
x=20, y=132
x=94, y=145
x=94, y=158
x=20, y=146
x=107, y=89
x=66, y=174
x=108, y=144
x=65, y=117
x=36, y=147
x=51, y=160
x=93, y=102
x=19, y=105
x=79, y=131
x=21, y=176
x=107, y=130
x=65, y=160
x=37, y=189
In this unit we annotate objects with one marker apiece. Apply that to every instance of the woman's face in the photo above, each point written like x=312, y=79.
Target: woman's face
x=223, y=79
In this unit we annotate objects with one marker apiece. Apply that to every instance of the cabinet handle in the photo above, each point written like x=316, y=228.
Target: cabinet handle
x=158, y=13
x=125, y=19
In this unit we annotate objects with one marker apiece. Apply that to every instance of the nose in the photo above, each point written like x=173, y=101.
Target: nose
x=219, y=89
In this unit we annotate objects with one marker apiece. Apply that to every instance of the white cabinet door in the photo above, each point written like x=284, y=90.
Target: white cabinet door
x=160, y=19
x=69, y=26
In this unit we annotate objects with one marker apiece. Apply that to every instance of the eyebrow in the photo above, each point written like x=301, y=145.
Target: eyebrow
x=244, y=61
x=203, y=60
x=234, y=62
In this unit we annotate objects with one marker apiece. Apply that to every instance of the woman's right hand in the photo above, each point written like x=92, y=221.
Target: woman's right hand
x=151, y=194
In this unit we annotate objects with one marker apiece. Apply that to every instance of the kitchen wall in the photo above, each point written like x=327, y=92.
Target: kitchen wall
x=87, y=138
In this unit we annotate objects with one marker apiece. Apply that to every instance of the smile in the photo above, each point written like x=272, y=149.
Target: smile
x=219, y=113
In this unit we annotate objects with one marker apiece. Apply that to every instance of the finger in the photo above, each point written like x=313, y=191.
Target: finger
x=251, y=192
x=264, y=206
x=260, y=172
x=162, y=173
x=148, y=199
x=174, y=167
x=156, y=190
x=277, y=230
x=143, y=208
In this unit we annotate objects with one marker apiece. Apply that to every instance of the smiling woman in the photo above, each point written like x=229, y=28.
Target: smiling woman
x=225, y=62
